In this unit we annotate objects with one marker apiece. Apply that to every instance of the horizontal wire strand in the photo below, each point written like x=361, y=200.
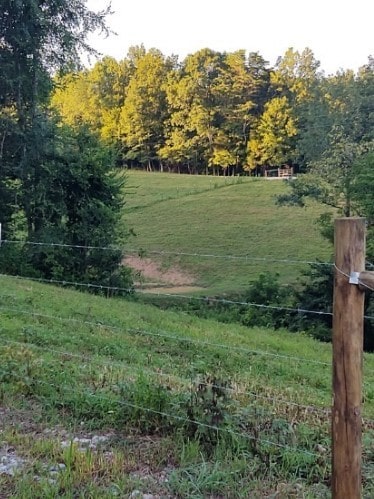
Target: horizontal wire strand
x=163, y=335
x=167, y=336
x=170, y=295
x=119, y=364
x=69, y=283
x=174, y=295
x=306, y=408
x=359, y=282
x=198, y=423
x=243, y=303
x=140, y=251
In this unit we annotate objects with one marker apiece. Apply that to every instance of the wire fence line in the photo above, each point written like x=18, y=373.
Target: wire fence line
x=307, y=409
x=167, y=336
x=183, y=381
x=163, y=334
x=70, y=283
x=196, y=422
x=144, y=252
x=194, y=298
x=205, y=299
x=241, y=303
x=129, y=290
x=115, y=363
x=245, y=258
x=183, y=419
x=165, y=414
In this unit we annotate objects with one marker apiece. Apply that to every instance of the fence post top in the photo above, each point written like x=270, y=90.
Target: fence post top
x=343, y=219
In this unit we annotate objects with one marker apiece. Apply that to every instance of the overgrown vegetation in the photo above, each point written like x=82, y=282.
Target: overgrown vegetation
x=303, y=307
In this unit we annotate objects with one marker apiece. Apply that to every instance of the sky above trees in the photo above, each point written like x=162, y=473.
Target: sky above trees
x=339, y=33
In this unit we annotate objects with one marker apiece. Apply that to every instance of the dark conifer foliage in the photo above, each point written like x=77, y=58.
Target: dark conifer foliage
x=55, y=181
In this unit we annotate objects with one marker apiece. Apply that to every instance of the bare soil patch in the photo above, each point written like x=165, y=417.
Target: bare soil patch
x=154, y=279
x=172, y=290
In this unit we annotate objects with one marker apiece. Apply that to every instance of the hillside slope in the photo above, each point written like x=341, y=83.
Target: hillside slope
x=236, y=398
x=216, y=218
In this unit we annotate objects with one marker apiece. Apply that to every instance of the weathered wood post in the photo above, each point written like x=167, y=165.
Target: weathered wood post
x=348, y=325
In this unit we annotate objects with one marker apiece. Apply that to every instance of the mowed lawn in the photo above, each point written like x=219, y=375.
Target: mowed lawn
x=218, y=218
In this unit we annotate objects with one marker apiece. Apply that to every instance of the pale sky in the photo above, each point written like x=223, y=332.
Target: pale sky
x=339, y=32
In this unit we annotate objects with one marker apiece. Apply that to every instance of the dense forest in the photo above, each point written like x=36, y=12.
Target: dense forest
x=217, y=112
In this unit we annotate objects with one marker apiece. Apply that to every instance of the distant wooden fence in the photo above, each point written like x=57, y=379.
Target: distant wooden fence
x=279, y=173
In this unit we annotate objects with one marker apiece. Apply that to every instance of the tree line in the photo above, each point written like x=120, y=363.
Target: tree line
x=219, y=112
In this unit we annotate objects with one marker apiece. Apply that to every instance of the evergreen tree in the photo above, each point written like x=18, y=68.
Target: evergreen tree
x=38, y=156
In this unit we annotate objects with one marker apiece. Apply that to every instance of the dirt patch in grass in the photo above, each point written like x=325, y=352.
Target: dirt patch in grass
x=170, y=290
x=154, y=279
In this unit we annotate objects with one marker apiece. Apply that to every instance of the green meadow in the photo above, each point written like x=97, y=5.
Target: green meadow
x=185, y=407
x=112, y=397
x=217, y=218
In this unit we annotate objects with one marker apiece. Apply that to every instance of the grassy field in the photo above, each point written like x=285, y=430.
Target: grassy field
x=111, y=398
x=222, y=217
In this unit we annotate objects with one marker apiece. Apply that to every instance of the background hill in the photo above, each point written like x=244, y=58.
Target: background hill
x=219, y=217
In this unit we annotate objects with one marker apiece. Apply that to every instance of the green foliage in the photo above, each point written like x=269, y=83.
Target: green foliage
x=70, y=197
x=272, y=141
x=57, y=187
x=19, y=371
x=343, y=179
x=317, y=294
x=331, y=179
x=144, y=109
x=266, y=291
x=362, y=186
x=94, y=97
x=156, y=398
x=209, y=403
x=192, y=115
x=219, y=112
x=296, y=75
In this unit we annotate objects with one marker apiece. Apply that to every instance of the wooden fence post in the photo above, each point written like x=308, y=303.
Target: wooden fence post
x=348, y=324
